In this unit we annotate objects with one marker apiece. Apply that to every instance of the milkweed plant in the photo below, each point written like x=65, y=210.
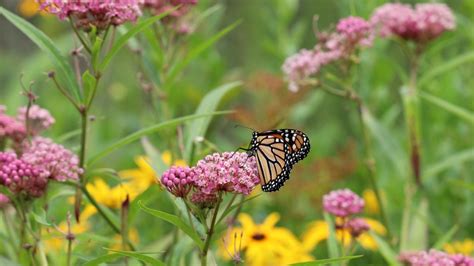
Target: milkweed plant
x=192, y=198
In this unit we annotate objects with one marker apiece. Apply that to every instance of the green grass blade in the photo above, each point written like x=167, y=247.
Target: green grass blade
x=143, y=132
x=451, y=64
x=209, y=104
x=452, y=160
x=140, y=26
x=176, y=221
x=332, y=241
x=451, y=108
x=196, y=51
x=139, y=256
x=102, y=259
x=446, y=237
x=45, y=44
x=326, y=261
x=387, y=252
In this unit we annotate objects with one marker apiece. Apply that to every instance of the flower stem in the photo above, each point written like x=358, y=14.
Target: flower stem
x=210, y=232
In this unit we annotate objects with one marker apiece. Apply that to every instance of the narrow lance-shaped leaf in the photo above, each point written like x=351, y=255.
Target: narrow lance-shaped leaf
x=176, y=221
x=462, y=113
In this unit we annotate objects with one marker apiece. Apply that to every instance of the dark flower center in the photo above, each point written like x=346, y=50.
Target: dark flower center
x=258, y=236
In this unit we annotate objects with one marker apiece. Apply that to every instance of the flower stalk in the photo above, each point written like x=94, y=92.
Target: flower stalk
x=210, y=232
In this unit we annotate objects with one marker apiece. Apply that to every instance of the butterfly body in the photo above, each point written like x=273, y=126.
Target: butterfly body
x=276, y=152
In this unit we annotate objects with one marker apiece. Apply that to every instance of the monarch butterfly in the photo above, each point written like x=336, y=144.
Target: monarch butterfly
x=276, y=152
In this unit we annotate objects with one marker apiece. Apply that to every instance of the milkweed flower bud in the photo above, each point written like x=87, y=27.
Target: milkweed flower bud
x=20, y=176
x=178, y=180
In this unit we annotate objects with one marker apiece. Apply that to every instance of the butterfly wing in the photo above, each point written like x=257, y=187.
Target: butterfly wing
x=276, y=152
x=271, y=154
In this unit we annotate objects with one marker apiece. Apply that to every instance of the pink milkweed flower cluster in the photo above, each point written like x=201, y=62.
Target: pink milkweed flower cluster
x=343, y=203
x=39, y=119
x=34, y=161
x=434, y=258
x=56, y=162
x=98, y=13
x=423, y=23
x=21, y=177
x=234, y=172
x=351, y=33
x=12, y=128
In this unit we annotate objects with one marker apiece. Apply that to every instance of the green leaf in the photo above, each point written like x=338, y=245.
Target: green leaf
x=387, y=252
x=451, y=108
x=89, y=84
x=139, y=256
x=45, y=44
x=96, y=51
x=41, y=217
x=332, y=241
x=440, y=69
x=137, y=28
x=143, y=132
x=176, y=221
x=450, y=161
x=326, y=261
x=208, y=104
x=103, y=259
x=446, y=237
x=177, y=68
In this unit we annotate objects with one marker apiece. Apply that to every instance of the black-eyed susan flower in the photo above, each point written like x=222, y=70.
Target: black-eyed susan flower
x=263, y=244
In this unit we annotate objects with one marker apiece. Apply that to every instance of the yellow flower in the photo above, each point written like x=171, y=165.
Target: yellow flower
x=465, y=247
x=319, y=231
x=145, y=176
x=263, y=244
x=371, y=203
x=111, y=197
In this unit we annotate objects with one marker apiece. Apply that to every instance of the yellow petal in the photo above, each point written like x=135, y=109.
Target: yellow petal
x=271, y=221
x=371, y=203
x=376, y=226
x=247, y=223
x=166, y=157
x=316, y=232
x=367, y=241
